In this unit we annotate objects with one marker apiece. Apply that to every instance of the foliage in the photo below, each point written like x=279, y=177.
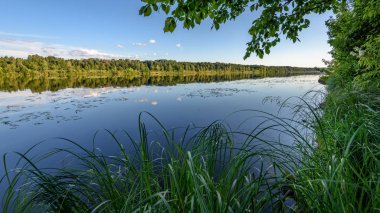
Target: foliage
x=355, y=37
x=342, y=175
x=274, y=17
x=50, y=73
x=349, y=135
x=39, y=64
x=88, y=79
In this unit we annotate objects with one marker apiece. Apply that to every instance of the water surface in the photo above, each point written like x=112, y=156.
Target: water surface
x=77, y=113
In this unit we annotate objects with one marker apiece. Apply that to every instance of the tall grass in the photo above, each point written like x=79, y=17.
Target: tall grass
x=343, y=174
x=216, y=169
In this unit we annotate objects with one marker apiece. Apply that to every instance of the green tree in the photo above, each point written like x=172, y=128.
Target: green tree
x=276, y=17
x=355, y=37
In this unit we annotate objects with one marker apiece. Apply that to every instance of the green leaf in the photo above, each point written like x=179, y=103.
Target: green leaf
x=186, y=23
x=216, y=25
x=155, y=7
x=267, y=50
x=260, y=54
x=165, y=8
x=142, y=9
x=307, y=22
x=148, y=11
x=170, y=24
x=198, y=19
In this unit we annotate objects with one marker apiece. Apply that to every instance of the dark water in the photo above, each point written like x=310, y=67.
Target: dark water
x=77, y=113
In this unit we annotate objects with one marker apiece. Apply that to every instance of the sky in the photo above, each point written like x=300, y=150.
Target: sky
x=114, y=29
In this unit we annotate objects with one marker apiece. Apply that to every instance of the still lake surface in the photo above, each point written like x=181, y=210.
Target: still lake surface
x=27, y=118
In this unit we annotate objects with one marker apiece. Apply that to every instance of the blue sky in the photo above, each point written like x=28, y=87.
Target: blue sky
x=113, y=29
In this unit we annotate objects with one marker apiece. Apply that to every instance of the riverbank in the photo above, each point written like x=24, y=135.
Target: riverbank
x=343, y=174
x=346, y=170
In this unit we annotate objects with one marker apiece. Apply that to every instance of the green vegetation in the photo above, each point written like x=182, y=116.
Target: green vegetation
x=343, y=175
x=349, y=136
x=52, y=66
x=215, y=171
x=128, y=80
x=275, y=18
x=50, y=73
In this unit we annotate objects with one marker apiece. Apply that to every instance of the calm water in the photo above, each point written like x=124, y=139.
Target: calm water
x=27, y=118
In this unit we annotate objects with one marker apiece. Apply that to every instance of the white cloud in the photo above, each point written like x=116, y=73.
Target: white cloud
x=14, y=53
x=90, y=53
x=120, y=46
x=27, y=35
x=178, y=45
x=139, y=44
x=155, y=54
x=23, y=48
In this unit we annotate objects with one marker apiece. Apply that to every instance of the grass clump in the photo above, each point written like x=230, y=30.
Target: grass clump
x=348, y=168
x=205, y=172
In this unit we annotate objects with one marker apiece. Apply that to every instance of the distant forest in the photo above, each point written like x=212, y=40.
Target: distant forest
x=36, y=64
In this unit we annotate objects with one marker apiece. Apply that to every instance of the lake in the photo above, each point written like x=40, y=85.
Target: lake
x=28, y=117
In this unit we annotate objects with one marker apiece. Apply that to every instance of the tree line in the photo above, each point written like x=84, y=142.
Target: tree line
x=36, y=63
x=76, y=81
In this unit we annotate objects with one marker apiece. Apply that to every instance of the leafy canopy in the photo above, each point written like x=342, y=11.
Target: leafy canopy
x=276, y=17
x=354, y=36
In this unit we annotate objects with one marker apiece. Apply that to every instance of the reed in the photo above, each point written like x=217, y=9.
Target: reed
x=216, y=169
